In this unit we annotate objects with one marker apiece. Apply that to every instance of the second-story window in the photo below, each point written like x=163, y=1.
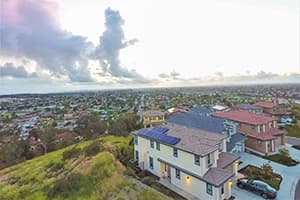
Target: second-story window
x=252, y=127
x=175, y=152
x=197, y=159
x=222, y=189
x=152, y=144
x=209, y=189
x=158, y=146
x=137, y=156
x=209, y=163
x=136, y=142
x=177, y=173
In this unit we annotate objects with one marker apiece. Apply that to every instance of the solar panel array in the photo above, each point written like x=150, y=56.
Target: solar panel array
x=160, y=129
x=159, y=136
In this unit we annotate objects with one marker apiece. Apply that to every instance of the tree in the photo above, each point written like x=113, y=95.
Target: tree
x=267, y=170
x=47, y=137
x=284, y=153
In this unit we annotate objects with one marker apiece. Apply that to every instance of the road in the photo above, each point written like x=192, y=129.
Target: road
x=293, y=141
x=297, y=192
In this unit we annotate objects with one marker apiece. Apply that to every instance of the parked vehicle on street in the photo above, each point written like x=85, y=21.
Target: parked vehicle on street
x=258, y=187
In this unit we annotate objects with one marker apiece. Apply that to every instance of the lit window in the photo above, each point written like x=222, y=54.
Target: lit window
x=209, y=189
x=151, y=162
x=175, y=152
x=158, y=146
x=197, y=159
x=177, y=172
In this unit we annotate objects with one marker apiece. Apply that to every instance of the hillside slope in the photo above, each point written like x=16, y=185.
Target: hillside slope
x=70, y=174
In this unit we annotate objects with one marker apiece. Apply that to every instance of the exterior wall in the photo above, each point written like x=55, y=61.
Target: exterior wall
x=152, y=121
x=184, y=160
x=197, y=187
x=247, y=129
x=254, y=144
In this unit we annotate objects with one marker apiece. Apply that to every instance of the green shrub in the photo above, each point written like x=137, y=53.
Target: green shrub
x=148, y=180
x=55, y=166
x=72, y=153
x=66, y=185
x=92, y=149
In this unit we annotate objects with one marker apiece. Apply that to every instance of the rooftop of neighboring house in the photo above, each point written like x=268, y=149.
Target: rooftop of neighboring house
x=64, y=135
x=244, y=117
x=153, y=113
x=192, y=140
x=220, y=107
x=266, y=104
x=246, y=106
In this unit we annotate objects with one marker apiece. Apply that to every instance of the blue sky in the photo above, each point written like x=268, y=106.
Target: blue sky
x=74, y=45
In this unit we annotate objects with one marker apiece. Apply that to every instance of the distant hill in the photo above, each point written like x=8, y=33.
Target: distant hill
x=76, y=172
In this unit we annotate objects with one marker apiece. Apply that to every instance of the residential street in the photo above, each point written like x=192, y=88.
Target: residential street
x=290, y=176
x=293, y=141
x=297, y=192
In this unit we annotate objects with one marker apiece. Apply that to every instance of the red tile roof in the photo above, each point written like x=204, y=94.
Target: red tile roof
x=32, y=142
x=244, y=117
x=266, y=104
x=64, y=135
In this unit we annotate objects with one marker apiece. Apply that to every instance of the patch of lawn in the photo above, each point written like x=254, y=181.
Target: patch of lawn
x=288, y=161
x=254, y=172
x=293, y=131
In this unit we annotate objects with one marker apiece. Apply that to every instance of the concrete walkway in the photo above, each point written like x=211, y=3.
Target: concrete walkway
x=290, y=175
x=293, y=140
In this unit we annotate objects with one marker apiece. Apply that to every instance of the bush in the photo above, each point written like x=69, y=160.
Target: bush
x=148, y=180
x=92, y=149
x=55, y=166
x=65, y=185
x=72, y=153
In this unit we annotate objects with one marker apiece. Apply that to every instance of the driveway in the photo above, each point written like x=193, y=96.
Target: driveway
x=290, y=176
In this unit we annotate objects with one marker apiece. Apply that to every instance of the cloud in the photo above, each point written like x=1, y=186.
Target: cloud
x=111, y=42
x=31, y=29
x=172, y=76
x=9, y=70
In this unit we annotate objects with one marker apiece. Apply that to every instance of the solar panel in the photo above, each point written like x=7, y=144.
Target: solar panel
x=159, y=136
x=160, y=129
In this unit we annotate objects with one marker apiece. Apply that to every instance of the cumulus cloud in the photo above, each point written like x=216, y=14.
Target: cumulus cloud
x=31, y=29
x=9, y=70
x=111, y=42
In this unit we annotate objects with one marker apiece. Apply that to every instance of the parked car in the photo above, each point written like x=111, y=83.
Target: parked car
x=258, y=187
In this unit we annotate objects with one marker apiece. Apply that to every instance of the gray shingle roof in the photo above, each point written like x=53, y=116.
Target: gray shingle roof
x=234, y=139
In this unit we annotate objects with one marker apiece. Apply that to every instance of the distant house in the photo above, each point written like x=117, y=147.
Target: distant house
x=263, y=135
x=153, y=117
x=63, y=136
x=220, y=108
x=191, y=159
x=248, y=107
x=201, y=117
x=273, y=109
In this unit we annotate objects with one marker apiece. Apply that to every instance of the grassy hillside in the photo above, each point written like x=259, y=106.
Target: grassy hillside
x=72, y=173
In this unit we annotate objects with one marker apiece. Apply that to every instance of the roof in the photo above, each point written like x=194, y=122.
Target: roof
x=153, y=113
x=217, y=176
x=195, y=141
x=198, y=118
x=266, y=104
x=246, y=106
x=220, y=107
x=238, y=137
x=64, y=135
x=226, y=159
x=244, y=117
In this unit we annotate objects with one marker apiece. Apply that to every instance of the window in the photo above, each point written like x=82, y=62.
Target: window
x=209, y=160
x=152, y=144
x=259, y=142
x=136, y=142
x=209, y=189
x=158, y=146
x=177, y=173
x=151, y=162
x=197, y=159
x=222, y=189
x=136, y=156
x=252, y=127
x=175, y=152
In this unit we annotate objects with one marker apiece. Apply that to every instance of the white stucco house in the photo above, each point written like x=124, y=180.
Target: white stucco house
x=193, y=160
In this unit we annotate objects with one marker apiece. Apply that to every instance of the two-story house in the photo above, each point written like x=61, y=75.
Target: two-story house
x=263, y=135
x=190, y=159
x=153, y=117
x=248, y=107
x=201, y=117
x=273, y=109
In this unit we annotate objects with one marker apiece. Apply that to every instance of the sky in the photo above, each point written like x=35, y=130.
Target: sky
x=68, y=45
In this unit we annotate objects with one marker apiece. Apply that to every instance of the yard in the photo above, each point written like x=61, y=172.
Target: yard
x=284, y=160
x=293, y=131
x=254, y=172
